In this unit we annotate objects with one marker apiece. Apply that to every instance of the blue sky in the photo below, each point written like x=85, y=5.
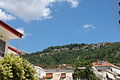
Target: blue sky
x=90, y=21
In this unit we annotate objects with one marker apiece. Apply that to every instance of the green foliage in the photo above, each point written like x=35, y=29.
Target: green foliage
x=16, y=68
x=86, y=73
x=68, y=54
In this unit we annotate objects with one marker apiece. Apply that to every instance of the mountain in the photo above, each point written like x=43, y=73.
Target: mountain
x=54, y=56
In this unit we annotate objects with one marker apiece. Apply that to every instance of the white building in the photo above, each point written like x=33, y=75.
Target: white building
x=59, y=74
x=6, y=33
x=40, y=72
x=106, y=70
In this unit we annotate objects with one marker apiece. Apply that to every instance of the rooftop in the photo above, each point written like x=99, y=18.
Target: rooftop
x=57, y=70
x=8, y=31
x=102, y=64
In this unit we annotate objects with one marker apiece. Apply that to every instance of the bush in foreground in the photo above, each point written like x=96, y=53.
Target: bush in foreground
x=16, y=68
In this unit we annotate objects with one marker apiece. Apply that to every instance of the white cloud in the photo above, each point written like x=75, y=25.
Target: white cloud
x=32, y=9
x=74, y=3
x=5, y=16
x=88, y=27
x=21, y=30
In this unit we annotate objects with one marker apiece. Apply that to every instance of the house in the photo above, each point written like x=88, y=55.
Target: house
x=102, y=65
x=56, y=74
x=106, y=71
x=65, y=66
x=6, y=33
x=40, y=72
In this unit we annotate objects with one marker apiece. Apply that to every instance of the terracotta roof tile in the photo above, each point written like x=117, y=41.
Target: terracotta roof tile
x=98, y=64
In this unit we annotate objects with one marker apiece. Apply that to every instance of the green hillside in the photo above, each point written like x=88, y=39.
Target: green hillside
x=70, y=54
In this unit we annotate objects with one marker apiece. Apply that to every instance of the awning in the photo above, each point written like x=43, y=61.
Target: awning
x=116, y=70
x=110, y=76
x=49, y=75
x=63, y=75
x=14, y=50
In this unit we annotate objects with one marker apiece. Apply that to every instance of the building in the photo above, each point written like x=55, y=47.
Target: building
x=58, y=74
x=106, y=70
x=65, y=66
x=40, y=72
x=6, y=33
x=102, y=65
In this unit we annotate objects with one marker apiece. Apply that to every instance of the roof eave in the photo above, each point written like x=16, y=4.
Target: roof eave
x=11, y=48
x=10, y=29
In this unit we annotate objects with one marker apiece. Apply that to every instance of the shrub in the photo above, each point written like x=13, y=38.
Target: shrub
x=16, y=68
x=84, y=74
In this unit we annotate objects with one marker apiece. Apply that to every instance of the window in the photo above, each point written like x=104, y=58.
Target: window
x=2, y=47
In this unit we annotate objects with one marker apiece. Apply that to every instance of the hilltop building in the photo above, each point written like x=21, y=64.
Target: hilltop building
x=65, y=66
x=6, y=33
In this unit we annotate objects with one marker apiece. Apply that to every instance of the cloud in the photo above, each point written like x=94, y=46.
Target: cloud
x=88, y=27
x=74, y=3
x=21, y=30
x=4, y=16
x=32, y=9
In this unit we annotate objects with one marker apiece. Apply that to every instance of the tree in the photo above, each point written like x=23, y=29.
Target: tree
x=85, y=73
x=16, y=68
x=83, y=52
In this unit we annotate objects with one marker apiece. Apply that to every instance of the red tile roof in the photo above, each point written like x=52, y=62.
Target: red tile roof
x=98, y=64
x=9, y=28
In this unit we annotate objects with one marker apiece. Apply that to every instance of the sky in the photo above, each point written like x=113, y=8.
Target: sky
x=46, y=23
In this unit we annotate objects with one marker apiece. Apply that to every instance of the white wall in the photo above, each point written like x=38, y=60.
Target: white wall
x=57, y=75
x=40, y=72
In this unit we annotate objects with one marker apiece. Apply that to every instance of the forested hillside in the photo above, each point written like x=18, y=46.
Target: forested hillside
x=70, y=54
